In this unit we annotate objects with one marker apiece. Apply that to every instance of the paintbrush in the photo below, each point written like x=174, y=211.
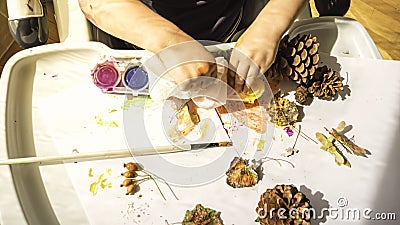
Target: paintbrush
x=109, y=154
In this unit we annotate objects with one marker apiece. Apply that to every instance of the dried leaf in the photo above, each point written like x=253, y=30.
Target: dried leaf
x=327, y=145
x=344, y=141
x=341, y=126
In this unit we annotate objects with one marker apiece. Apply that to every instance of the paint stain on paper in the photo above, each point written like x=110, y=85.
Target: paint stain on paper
x=138, y=102
x=102, y=122
x=103, y=181
x=260, y=145
x=112, y=110
x=135, y=212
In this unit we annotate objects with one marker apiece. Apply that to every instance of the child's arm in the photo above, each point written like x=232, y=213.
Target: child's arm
x=134, y=22
x=260, y=41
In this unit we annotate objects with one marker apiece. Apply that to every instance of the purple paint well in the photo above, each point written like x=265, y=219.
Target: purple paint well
x=136, y=78
x=106, y=75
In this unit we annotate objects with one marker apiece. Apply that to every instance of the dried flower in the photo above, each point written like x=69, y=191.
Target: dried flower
x=289, y=152
x=289, y=131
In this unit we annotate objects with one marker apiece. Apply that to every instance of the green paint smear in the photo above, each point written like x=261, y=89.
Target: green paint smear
x=138, y=102
x=204, y=129
x=260, y=145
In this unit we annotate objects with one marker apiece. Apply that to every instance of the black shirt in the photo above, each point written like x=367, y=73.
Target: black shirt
x=203, y=20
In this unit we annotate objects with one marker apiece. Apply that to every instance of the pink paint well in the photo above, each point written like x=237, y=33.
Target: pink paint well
x=106, y=76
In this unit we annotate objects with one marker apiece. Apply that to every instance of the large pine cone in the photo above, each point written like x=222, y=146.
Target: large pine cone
x=296, y=59
x=293, y=207
x=327, y=83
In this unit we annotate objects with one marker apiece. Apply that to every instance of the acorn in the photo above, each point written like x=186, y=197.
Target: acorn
x=131, y=189
x=131, y=166
x=129, y=174
x=126, y=183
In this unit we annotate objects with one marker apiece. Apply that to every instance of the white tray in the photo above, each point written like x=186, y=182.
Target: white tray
x=339, y=36
x=59, y=194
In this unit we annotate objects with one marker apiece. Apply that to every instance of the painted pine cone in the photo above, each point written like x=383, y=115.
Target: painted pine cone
x=293, y=207
x=327, y=83
x=202, y=216
x=282, y=112
x=241, y=174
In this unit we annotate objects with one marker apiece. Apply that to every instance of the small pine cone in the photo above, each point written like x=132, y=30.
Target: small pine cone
x=296, y=59
x=282, y=112
x=301, y=94
x=293, y=207
x=327, y=83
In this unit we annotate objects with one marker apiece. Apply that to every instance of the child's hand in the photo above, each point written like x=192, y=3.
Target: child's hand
x=186, y=61
x=251, y=58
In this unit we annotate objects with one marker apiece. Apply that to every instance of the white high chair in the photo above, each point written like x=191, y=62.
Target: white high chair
x=72, y=24
x=30, y=80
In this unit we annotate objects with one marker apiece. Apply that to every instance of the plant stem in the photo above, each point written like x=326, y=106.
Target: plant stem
x=305, y=136
x=297, y=137
x=151, y=177
x=277, y=160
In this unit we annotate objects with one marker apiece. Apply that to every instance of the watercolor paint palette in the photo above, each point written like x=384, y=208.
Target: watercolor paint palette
x=121, y=75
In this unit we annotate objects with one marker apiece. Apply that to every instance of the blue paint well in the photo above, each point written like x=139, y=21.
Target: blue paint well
x=136, y=78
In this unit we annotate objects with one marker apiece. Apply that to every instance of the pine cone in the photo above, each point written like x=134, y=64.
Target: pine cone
x=327, y=83
x=202, y=216
x=292, y=206
x=301, y=94
x=296, y=59
x=241, y=174
x=282, y=112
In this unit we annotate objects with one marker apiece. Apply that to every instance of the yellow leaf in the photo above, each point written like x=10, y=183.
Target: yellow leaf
x=338, y=158
x=328, y=146
x=322, y=138
x=341, y=126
